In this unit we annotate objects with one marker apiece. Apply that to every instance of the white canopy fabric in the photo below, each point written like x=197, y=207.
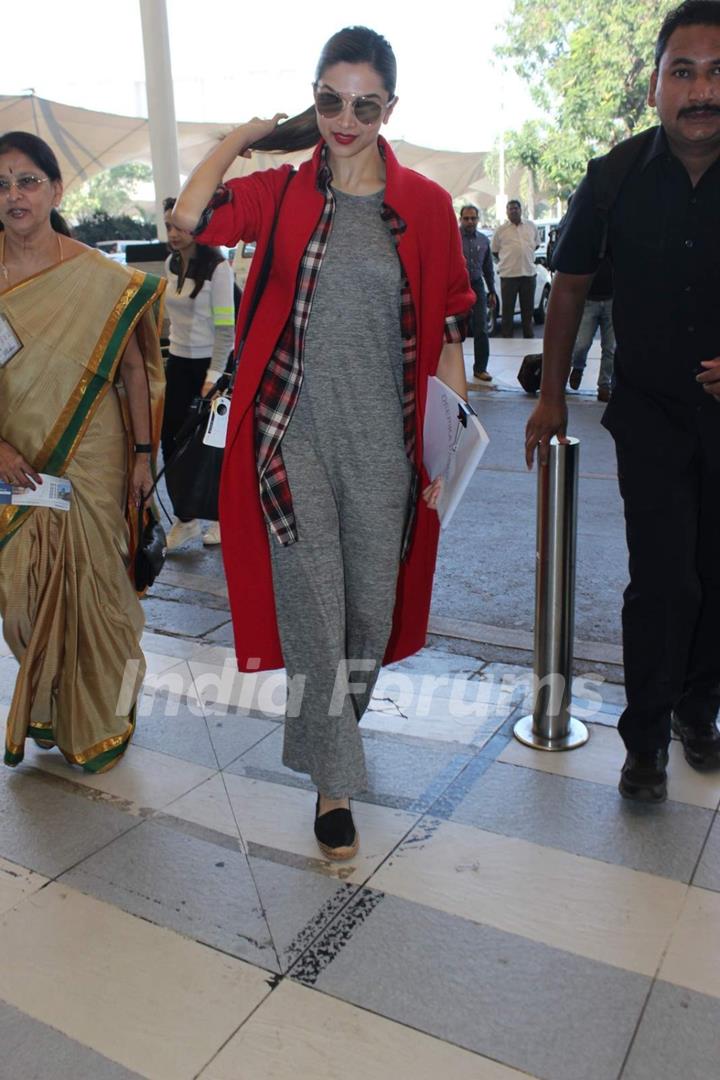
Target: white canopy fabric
x=86, y=142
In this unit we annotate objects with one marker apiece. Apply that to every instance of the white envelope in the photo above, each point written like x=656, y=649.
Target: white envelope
x=454, y=441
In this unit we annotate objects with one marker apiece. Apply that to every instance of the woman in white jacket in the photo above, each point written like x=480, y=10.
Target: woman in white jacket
x=200, y=305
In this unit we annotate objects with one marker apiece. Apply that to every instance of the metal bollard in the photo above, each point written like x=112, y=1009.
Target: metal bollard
x=551, y=727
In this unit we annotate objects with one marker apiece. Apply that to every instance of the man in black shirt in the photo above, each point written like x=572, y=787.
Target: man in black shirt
x=478, y=257
x=663, y=236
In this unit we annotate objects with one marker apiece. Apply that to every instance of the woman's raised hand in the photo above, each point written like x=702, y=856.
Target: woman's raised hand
x=257, y=129
x=14, y=469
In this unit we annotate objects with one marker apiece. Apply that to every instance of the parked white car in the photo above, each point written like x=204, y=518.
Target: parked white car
x=544, y=228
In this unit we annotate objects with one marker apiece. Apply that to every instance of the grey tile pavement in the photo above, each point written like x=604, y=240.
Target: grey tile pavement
x=174, y=726
x=678, y=1038
x=586, y=819
x=404, y=773
x=259, y=910
x=32, y=1050
x=177, y=727
x=221, y=635
x=198, y=888
x=163, y=590
x=708, y=872
x=298, y=904
x=436, y=662
x=177, y=618
x=236, y=733
x=8, y=674
x=553, y=1014
x=48, y=827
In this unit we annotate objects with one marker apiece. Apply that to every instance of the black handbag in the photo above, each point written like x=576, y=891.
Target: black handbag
x=151, y=549
x=530, y=373
x=192, y=473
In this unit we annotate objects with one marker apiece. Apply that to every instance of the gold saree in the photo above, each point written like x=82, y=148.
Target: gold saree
x=70, y=612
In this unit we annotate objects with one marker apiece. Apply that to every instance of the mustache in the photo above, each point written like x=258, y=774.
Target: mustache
x=700, y=110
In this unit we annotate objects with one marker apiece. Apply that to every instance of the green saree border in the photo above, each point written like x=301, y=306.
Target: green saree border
x=101, y=378
x=100, y=763
x=148, y=294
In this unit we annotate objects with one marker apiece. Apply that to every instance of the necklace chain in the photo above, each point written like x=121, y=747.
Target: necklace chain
x=5, y=273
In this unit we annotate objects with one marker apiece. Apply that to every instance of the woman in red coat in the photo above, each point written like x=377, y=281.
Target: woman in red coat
x=329, y=525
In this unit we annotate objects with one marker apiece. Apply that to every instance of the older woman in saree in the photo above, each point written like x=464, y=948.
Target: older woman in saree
x=80, y=397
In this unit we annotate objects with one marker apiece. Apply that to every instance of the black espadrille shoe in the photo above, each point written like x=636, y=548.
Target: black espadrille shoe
x=336, y=834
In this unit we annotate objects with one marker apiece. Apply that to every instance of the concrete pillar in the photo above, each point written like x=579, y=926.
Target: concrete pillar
x=161, y=104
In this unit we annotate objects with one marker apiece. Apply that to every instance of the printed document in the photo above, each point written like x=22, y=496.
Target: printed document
x=454, y=440
x=55, y=492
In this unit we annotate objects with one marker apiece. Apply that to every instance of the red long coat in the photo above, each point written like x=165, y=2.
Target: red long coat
x=431, y=255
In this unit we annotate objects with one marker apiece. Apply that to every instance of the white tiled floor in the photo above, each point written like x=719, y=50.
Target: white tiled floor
x=147, y=779
x=164, y=1005
x=16, y=883
x=693, y=956
x=590, y=908
x=602, y=758
x=298, y=1032
x=278, y=817
x=150, y=999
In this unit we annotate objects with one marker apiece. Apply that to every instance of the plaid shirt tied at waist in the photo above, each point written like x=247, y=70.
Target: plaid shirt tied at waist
x=282, y=380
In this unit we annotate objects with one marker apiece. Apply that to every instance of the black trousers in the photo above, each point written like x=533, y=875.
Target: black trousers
x=185, y=378
x=510, y=287
x=669, y=471
x=478, y=328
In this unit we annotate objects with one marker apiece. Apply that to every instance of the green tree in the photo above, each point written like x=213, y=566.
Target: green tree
x=109, y=192
x=101, y=226
x=525, y=147
x=588, y=66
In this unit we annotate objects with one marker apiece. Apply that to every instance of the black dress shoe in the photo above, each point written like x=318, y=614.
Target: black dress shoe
x=700, y=739
x=335, y=833
x=644, y=776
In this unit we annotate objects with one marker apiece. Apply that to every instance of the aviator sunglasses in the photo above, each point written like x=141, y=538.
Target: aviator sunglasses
x=330, y=104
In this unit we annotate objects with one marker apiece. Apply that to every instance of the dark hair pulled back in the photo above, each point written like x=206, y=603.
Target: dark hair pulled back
x=43, y=158
x=202, y=265
x=353, y=45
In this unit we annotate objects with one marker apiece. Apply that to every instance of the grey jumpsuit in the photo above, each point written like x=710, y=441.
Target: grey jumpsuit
x=349, y=477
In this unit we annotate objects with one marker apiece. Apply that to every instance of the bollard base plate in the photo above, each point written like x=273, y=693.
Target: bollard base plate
x=577, y=735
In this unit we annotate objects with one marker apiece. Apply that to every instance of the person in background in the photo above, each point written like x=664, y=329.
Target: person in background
x=81, y=398
x=479, y=262
x=331, y=524
x=200, y=305
x=514, y=242
x=596, y=313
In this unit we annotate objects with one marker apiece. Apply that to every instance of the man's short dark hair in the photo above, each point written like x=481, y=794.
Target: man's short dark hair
x=691, y=13
x=514, y=202
x=469, y=206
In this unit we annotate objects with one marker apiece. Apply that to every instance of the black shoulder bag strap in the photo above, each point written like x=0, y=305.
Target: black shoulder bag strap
x=609, y=173
x=259, y=288
x=227, y=380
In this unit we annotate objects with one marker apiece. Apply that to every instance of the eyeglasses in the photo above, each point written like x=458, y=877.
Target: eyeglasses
x=26, y=184
x=330, y=104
